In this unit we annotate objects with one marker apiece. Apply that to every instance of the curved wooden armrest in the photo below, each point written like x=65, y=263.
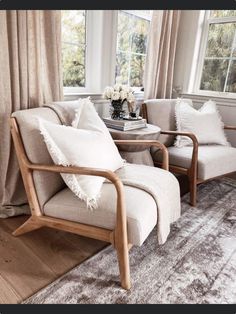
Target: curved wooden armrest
x=230, y=127
x=149, y=143
x=121, y=219
x=193, y=168
x=188, y=134
x=110, y=175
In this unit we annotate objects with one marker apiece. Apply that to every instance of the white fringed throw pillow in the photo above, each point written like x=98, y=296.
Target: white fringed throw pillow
x=87, y=118
x=69, y=146
x=205, y=124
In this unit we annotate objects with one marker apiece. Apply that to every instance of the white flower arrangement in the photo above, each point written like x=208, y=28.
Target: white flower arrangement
x=119, y=92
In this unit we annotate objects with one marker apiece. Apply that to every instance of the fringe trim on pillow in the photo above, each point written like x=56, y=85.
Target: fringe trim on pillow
x=179, y=142
x=82, y=102
x=91, y=202
x=59, y=159
x=227, y=143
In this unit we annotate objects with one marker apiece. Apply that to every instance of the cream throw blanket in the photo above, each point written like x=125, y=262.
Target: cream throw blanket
x=160, y=184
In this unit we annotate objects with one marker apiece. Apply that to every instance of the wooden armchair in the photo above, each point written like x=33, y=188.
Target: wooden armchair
x=199, y=162
x=53, y=205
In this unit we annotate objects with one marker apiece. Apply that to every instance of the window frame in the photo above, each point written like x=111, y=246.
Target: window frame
x=99, y=61
x=129, y=52
x=101, y=37
x=80, y=89
x=202, y=51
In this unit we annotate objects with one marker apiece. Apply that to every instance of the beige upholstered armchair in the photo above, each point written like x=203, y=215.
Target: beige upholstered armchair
x=126, y=214
x=199, y=162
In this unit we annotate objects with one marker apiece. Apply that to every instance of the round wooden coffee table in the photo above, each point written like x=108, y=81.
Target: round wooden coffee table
x=136, y=154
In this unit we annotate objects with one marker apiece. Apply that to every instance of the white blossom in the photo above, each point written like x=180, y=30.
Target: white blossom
x=115, y=96
x=127, y=89
x=108, y=92
x=119, y=92
x=130, y=97
x=123, y=95
x=117, y=87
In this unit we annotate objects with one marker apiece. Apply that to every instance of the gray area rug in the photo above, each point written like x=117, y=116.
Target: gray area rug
x=197, y=264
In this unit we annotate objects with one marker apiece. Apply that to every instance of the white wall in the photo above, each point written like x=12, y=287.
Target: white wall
x=187, y=62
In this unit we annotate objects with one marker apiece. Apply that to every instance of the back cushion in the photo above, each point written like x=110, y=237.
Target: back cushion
x=161, y=112
x=46, y=183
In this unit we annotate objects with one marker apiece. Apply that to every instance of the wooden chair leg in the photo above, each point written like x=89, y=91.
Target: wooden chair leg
x=30, y=225
x=123, y=260
x=193, y=190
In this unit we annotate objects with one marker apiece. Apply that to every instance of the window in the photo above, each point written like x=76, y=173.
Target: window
x=219, y=61
x=132, y=33
x=101, y=47
x=74, y=48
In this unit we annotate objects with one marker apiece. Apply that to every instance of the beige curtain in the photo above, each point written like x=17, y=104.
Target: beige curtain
x=159, y=68
x=30, y=75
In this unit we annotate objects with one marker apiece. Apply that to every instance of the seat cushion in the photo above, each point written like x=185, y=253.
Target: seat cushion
x=141, y=210
x=213, y=160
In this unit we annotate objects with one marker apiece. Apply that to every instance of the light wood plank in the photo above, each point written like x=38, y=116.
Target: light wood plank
x=59, y=250
x=32, y=261
x=7, y=294
x=24, y=270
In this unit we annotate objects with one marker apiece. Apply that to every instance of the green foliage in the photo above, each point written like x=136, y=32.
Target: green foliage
x=219, y=64
x=73, y=47
x=223, y=13
x=131, y=47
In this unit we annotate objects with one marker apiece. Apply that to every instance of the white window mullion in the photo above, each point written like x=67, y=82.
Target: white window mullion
x=101, y=30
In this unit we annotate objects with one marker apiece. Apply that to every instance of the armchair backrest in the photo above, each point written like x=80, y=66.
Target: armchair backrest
x=161, y=112
x=46, y=183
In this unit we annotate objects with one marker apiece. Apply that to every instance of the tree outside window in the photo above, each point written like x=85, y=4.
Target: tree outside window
x=219, y=67
x=74, y=47
x=132, y=33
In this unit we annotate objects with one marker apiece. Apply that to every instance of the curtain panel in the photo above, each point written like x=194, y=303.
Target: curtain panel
x=159, y=68
x=30, y=76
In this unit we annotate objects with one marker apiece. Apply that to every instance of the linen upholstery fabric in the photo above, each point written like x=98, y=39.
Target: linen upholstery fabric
x=159, y=66
x=149, y=193
x=161, y=185
x=65, y=110
x=30, y=70
x=213, y=160
x=205, y=124
x=140, y=158
x=46, y=183
x=140, y=207
x=161, y=112
x=69, y=146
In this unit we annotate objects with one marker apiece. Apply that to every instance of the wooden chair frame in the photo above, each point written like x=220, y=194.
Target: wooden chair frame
x=192, y=171
x=117, y=237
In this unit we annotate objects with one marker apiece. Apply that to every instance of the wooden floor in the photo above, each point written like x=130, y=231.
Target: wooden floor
x=32, y=261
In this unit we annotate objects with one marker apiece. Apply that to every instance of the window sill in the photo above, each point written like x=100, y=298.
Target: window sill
x=82, y=94
x=73, y=96
x=222, y=100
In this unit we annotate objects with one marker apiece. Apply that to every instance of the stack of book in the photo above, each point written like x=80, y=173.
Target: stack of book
x=125, y=125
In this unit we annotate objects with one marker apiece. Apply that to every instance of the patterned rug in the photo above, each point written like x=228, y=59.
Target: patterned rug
x=197, y=264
